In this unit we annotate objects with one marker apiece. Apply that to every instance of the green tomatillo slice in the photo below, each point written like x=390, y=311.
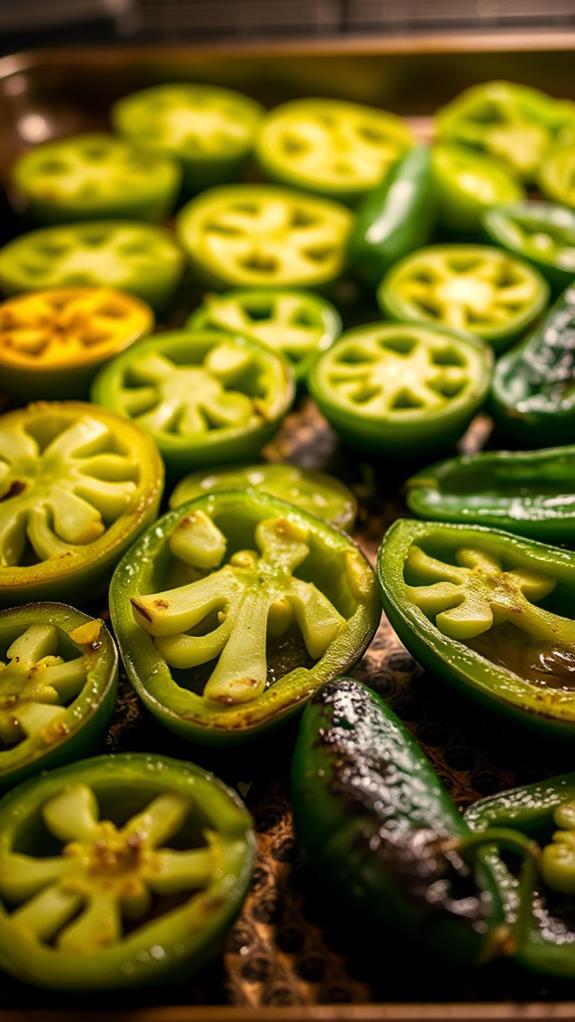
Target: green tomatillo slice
x=77, y=485
x=205, y=397
x=119, y=871
x=94, y=176
x=399, y=388
x=296, y=323
x=262, y=236
x=58, y=678
x=540, y=232
x=340, y=150
x=489, y=612
x=315, y=492
x=139, y=258
x=209, y=130
x=466, y=184
x=557, y=175
x=234, y=608
x=473, y=288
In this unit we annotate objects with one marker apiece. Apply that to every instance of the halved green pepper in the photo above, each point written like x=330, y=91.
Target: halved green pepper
x=532, y=393
x=204, y=396
x=467, y=183
x=58, y=680
x=315, y=492
x=477, y=289
x=382, y=834
x=488, y=612
x=233, y=609
x=393, y=219
x=540, y=232
x=557, y=175
x=77, y=485
x=135, y=257
x=296, y=323
x=400, y=388
x=119, y=871
x=531, y=493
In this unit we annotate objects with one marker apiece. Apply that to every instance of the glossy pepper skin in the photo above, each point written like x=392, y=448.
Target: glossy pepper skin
x=488, y=612
x=543, y=811
x=531, y=493
x=393, y=219
x=532, y=393
x=58, y=682
x=541, y=232
x=119, y=871
x=283, y=602
x=372, y=817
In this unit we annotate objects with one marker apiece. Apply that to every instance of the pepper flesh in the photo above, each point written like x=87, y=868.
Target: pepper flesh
x=466, y=184
x=557, y=175
x=541, y=232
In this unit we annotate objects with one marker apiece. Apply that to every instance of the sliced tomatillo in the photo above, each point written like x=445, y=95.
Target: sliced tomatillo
x=139, y=258
x=234, y=608
x=474, y=288
x=541, y=232
x=52, y=342
x=208, y=129
x=399, y=388
x=337, y=149
x=77, y=485
x=94, y=177
x=262, y=236
x=204, y=397
x=557, y=175
x=296, y=323
x=466, y=184
x=119, y=871
x=513, y=122
x=58, y=678
x=488, y=611
x=315, y=492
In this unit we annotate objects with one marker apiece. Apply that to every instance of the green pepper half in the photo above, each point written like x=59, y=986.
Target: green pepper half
x=205, y=397
x=208, y=129
x=262, y=236
x=531, y=493
x=340, y=150
x=532, y=394
x=466, y=184
x=489, y=612
x=77, y=485
x=296, y=323
x=58, y=680
x=94, y=177
x=557, y=175
x=119, y=871
x=139, y=258
x=473, y=288
x=540, y=232
x=381, y=832
x=233, y=609
x=513, y=122
x=399, y=388
x=315, y=492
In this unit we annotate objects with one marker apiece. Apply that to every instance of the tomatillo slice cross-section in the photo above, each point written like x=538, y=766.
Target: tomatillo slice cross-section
x=315, y=492
x=77, y=485
x=205, y=397
x=52, y=342
x=473, y=288
x=119, y=871
x=467, y=183
x=401, y=388
x=233, y=609
x=557, y=175
x=208, y=129
x=58, y=680
x=139, y=258
x=489, y=612
x=337, y=149
x=94, y=177
x=297, y=323
x=541, y=232
x=262, y=236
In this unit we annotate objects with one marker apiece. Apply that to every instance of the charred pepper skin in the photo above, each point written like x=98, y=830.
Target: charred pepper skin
x=373, y=818
x=532, y=394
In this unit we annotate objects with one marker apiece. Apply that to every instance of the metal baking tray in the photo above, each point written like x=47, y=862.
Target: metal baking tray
x=288, y=959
